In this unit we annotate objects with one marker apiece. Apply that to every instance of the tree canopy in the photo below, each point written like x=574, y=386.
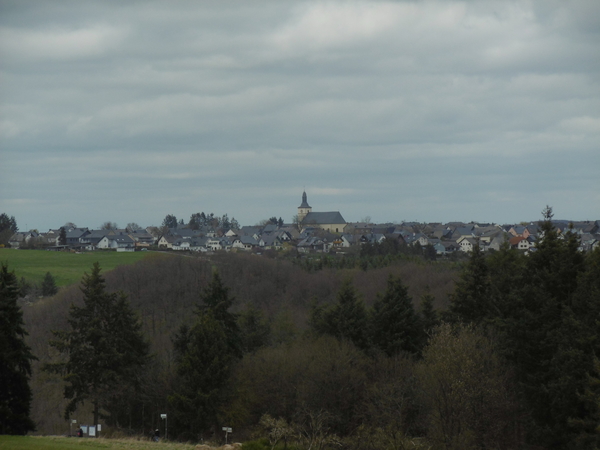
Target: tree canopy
x=104, y=350
x=545, y=309
x=15, y=360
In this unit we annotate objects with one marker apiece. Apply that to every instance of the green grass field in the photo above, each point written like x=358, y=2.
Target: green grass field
x=64, y=443
x=66, y=268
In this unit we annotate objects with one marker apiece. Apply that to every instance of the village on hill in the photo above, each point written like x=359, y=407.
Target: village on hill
x=310, y=232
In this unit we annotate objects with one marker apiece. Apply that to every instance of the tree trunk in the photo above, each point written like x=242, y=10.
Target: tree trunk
x=96, y=414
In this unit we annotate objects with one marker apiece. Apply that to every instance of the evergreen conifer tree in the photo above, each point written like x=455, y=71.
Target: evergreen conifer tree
x=204, y=363
x=429, y=316
x=15, y=360
x=104, y=349
x=394, y=324
x=254, y=328
x=49, y=285
x=346, y=319
x=553, y=348
x=544, y=308
x=216, y=299
x=469, y=301
x=204, y=353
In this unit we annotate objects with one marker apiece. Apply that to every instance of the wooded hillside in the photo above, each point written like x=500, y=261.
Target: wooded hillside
x=164, y=292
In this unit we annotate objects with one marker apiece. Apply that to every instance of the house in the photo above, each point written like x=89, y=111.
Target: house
x=462, y=231
x=271, y=241
x=313, y=244
x=245, y=243
x=497, y=241
x=75, y=234
x=466, y=244
x=442, y=233
x=19, y=239
x=521, y=242
x=218, y=243
x=166, y=241
x=51, y=236
x=182, y=244
x=120, y=242
x=142, y=238
x=450, y=246
x=91, y=239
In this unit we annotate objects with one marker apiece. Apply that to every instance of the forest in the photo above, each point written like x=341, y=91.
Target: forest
x=496, y=352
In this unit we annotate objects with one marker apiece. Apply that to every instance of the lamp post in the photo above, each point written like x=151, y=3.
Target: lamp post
x=164, y=417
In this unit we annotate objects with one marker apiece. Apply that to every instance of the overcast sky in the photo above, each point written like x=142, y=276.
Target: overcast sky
x=127, y=111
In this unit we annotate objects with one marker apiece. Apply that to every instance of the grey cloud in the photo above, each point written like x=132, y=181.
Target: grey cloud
x=245, y=105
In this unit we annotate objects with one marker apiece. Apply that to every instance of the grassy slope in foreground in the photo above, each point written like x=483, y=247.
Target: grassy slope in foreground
x=64, y=443
x=66, y=268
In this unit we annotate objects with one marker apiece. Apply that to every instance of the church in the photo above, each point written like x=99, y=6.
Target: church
x=331, y=221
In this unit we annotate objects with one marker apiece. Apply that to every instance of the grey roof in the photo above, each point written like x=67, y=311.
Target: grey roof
x=269, y=228
x=248, y=240
x=322, y=218
x=76, y=232
x=248, y=231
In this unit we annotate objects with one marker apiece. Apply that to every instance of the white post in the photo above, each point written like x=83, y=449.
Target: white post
x=164, y=417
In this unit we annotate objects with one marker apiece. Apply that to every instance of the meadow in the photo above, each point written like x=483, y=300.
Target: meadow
x=66, y=268
x=65, y=443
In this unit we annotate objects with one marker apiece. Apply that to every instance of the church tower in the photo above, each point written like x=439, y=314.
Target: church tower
x=303, y=209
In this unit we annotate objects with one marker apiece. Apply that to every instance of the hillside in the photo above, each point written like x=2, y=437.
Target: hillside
x=164, y=290
x=66, y=267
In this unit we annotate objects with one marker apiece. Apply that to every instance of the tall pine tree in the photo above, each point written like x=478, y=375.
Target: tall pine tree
x=346, y=319
x=204, y=354
x=104, y=350
x=549, y=341
x=469, y=303
x=49, y=285
x=394, y=325
x=15, y=360
x=545, y=309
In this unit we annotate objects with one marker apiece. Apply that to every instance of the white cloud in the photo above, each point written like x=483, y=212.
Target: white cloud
x=59, y=44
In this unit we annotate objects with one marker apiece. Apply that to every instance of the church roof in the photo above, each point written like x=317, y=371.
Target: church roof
x=323, y=218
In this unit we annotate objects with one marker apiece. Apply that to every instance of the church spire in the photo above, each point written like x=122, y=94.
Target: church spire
x=304, y=208
x=304, y=202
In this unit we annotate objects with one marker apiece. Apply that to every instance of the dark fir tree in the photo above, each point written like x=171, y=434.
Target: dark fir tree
x=49, y=285
x=548, y=340
x=469, y=301
x=544, y=309
x=216, y=299
x=346, y=319
x=394, y=325
x=429, y=316
x=204, y=363
x=15, y=360
x=255, y=329
x=8, y=227
x=104, y=350
x=585, y=365
x=204, y=356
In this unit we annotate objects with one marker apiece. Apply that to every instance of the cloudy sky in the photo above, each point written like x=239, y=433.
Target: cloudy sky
x=405, y=110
